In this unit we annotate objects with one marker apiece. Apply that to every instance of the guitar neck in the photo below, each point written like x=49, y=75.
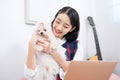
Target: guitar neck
x=89, y=18
x=97, y=44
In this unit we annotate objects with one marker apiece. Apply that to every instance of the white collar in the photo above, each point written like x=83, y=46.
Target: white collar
x=61, y=41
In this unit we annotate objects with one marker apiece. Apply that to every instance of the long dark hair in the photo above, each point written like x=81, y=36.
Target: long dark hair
x=74, y=20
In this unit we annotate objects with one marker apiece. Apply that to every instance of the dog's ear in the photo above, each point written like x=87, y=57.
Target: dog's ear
x=42, y=24
x=40, y=27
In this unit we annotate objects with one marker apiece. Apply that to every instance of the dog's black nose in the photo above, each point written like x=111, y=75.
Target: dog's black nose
x=41, y=33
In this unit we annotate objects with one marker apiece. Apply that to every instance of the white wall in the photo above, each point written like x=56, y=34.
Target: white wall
x=14, y=35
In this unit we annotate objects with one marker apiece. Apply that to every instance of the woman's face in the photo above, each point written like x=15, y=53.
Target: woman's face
x=61, y=25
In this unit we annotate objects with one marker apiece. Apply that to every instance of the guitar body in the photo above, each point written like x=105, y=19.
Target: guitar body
x=93, y=58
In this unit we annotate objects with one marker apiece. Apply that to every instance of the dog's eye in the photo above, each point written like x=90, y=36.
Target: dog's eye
x=45, y=30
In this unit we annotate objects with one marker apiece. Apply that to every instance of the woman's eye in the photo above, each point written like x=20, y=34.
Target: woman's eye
x=58, y=22
x=66, y=27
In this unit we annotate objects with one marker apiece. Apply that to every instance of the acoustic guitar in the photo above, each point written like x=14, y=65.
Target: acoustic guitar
x=98, y=54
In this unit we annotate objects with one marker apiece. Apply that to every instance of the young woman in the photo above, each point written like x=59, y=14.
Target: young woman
x=65, y=26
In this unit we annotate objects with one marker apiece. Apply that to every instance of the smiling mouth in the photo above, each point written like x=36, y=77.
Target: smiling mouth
x=58, y=32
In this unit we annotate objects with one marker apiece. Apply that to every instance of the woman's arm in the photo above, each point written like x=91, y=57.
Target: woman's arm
x=31, y=60
x=60, y=60
x=31, y=57
x=32, y=71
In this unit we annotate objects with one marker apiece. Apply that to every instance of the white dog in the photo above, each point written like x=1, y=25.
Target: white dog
x=44, y=60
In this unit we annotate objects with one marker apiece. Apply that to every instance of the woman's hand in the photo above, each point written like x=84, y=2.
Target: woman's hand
x=46, y=45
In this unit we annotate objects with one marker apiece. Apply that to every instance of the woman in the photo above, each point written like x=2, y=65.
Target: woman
x=65, y=27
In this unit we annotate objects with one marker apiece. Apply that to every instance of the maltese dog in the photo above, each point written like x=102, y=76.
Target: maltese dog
x=43, y=60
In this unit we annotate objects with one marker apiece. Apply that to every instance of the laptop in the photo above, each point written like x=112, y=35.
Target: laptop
x=90, y=70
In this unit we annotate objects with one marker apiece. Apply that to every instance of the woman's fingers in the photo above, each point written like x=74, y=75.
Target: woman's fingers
x=45, y=44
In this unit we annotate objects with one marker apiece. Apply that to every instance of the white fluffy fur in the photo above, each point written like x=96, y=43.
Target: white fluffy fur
x=44, y=60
